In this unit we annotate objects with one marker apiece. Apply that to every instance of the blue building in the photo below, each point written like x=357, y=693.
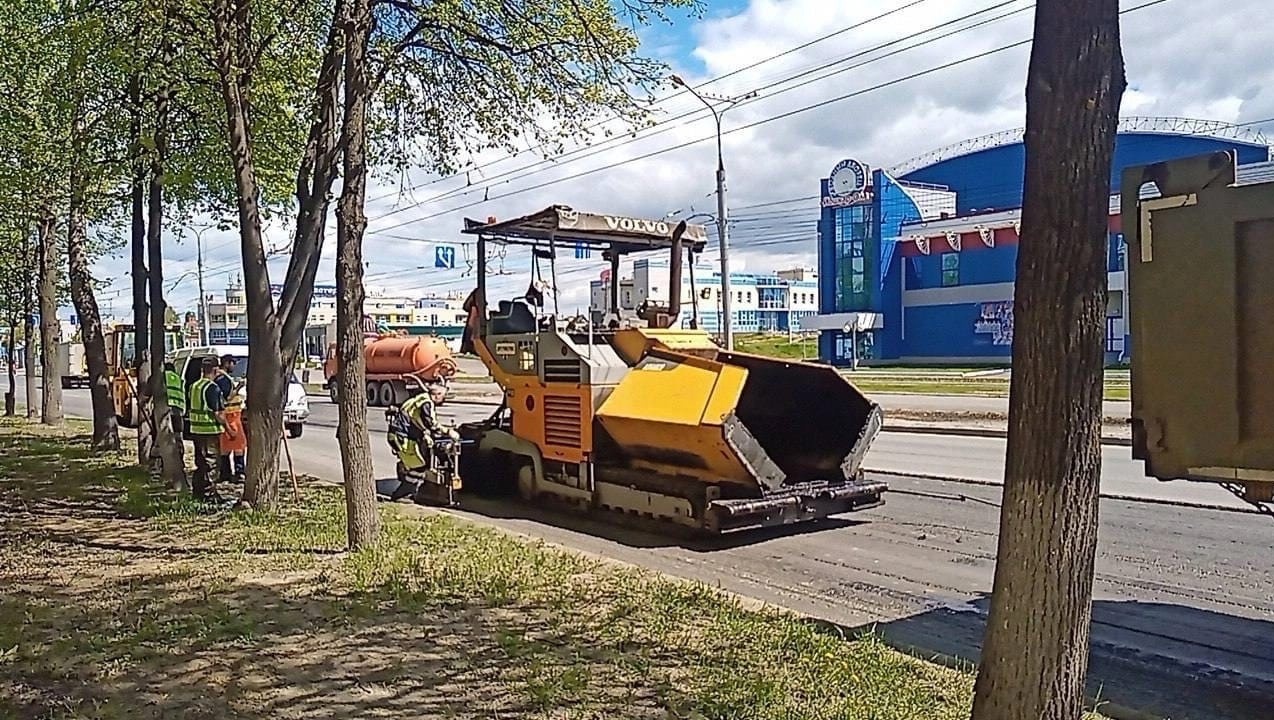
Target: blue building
x=916, y=264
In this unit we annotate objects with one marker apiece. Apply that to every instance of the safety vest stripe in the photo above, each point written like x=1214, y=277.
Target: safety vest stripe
x=202, y=420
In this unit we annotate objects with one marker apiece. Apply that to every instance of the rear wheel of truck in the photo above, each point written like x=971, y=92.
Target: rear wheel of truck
x=331, y=390
x=387, y=394
x=372, y=394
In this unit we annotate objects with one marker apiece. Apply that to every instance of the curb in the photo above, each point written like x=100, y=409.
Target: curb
x=911, y=428
x=1103, y=495
x=954, y=662
x=938, y=429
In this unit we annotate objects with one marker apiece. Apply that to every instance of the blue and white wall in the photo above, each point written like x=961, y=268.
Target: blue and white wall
x=939, y=302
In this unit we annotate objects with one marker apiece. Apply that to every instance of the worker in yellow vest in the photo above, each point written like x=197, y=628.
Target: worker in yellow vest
x=175, y=391
x=207, y=421
x=234, y=443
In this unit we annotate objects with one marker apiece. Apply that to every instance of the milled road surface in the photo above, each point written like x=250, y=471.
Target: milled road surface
x=1184, y=596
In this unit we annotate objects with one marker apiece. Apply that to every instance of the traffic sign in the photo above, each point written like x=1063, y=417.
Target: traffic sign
x=445, y=257
x=582, y=251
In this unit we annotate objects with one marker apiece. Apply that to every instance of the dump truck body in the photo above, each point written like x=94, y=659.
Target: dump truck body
x=396, y=366
x=72, y=365
x=655, y=421
x=1200, y=259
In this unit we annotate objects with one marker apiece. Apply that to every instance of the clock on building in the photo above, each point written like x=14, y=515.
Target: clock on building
x=848, y=179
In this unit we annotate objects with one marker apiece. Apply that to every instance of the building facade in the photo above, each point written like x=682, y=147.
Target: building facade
x=765, y=302
x=228, y=319
x=917, y=264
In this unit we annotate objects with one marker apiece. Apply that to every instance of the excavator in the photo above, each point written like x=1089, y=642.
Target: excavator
x=642, y=417
x=120, y=355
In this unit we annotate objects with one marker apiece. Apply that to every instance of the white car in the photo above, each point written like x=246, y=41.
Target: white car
x=188, y=363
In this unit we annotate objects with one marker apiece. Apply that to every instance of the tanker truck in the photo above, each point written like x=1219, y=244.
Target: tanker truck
x=397, y=365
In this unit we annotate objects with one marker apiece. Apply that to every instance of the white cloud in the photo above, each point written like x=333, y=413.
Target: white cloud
x=1192, y=58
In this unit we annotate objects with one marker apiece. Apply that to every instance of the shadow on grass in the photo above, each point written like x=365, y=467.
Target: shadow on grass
x=183, y=644
x=442, y=618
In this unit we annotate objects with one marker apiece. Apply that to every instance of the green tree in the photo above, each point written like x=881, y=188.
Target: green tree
x=430, y=85
x=1035, y=656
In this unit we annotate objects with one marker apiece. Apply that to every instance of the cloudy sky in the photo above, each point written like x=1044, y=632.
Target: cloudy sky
x=832, y=80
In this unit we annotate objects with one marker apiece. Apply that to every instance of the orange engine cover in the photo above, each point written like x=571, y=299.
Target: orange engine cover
x=427, y=357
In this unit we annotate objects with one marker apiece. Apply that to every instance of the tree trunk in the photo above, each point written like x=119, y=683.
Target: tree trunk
x=11, y=392
x=141, y=311
x=50, y=329
x=1035, y=655
x=167, y=439
x=231, y=20
x=273, y=336
x=362, y=514
x=105, y=426
x=28, y=331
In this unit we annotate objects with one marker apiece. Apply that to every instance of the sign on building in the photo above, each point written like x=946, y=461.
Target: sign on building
x=995, y=321
x=848, y=184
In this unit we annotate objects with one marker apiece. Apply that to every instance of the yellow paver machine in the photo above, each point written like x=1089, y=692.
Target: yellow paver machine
x=644, y=417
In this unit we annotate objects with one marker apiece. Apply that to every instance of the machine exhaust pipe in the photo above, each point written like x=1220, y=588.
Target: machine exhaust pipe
x=674, y=275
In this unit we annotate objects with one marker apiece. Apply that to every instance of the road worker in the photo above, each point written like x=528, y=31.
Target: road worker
x=175, y=391
x=234, y=443
x=207, y=409
x=421, y=411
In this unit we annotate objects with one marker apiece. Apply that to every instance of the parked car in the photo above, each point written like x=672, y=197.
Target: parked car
x=187, y=362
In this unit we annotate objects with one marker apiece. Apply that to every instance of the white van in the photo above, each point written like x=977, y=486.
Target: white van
x=188, y=363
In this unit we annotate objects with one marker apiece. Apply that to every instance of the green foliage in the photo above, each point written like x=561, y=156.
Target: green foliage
x=464, y=76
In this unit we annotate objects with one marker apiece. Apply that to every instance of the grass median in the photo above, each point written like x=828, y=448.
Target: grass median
x=121, y=600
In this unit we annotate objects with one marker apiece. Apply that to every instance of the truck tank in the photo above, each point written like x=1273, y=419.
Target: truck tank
x=426, y=357
x=396, y=364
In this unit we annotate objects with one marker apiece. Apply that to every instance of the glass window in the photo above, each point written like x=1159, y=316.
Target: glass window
x=1115, y=304
x=950, y=269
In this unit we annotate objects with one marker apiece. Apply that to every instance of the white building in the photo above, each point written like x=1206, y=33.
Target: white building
x=228, y=319
x=769, y=302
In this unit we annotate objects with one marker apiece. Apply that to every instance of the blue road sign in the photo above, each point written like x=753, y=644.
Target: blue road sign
x=445, y=257
x=582, y=251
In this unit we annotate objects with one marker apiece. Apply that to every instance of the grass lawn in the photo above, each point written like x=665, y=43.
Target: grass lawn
x=119, y=600
x=777, y=346
x=983, y=387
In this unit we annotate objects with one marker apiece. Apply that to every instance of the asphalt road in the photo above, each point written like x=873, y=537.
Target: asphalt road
x=1184, y=596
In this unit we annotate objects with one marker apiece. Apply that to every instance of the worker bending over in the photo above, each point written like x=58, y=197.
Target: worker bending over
x=207, y=410
x=418, y=442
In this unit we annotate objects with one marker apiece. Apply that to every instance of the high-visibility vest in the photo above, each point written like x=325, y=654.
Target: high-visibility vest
x=175, y=390
x=424, y=406
x=202, y=419
x=234, y=398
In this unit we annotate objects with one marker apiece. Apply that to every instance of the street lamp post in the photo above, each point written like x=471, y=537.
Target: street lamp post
x=203, y=299
x=727, y=330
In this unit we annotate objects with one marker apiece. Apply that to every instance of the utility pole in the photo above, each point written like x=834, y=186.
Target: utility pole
x=722, y=219
x=203, y=299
